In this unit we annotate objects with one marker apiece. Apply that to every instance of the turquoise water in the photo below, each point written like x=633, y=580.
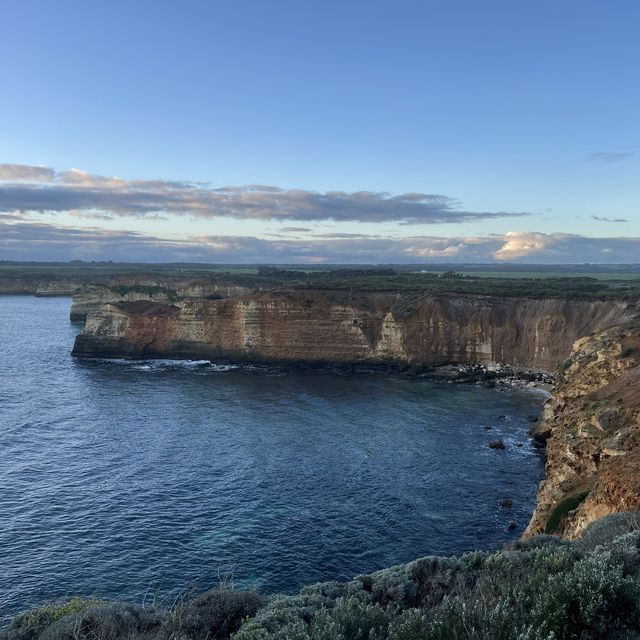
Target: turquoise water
x=124, y=478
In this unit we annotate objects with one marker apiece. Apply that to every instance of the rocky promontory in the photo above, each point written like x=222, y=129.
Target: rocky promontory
x=91, y=297
x=591, y=426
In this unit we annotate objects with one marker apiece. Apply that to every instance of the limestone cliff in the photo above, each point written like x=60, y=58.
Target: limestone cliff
x=333, y=326
x=59, y=288
x=591, y=424
x=592, y=429
x=169, y=290
x=41, y=287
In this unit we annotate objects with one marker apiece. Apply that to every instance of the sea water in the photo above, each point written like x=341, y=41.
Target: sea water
x=139, y=479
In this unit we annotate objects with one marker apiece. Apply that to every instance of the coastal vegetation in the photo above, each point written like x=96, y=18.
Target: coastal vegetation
x=534, y=281
x=563, y=509
x=539, y=589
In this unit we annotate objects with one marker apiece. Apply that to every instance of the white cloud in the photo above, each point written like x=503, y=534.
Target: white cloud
x=26, y=173
x=41, y=241
x=520, y=244
x=39, y=189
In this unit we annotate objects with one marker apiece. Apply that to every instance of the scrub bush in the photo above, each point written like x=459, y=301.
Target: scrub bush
x=109, y=621
x=539, y=589
x=608, y=528
x=29, y=625
x=590, y=600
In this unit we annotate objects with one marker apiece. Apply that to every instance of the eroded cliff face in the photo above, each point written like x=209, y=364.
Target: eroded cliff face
x=591, y=424
x=592, y=428
x=39, y=287
x=172, y=291
x=330, y=326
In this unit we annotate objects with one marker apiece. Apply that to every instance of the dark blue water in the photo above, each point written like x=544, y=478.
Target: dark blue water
x=120, y=478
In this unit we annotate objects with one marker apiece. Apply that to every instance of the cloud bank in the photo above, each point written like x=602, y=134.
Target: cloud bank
x=41, y=241
x=26, y=191
x=30, y=189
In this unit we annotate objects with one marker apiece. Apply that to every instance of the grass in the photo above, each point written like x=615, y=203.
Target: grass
x=554, y=523
x=538, y=589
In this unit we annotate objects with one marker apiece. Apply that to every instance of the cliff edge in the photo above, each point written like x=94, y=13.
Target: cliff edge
x=350, y=327
x=91, y=297
x=591, y=426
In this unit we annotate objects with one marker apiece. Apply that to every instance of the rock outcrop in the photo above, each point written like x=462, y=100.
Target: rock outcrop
x=54, y=289
x=592, y=429
x=170, y=290
x=343, y=327
x=41, y=287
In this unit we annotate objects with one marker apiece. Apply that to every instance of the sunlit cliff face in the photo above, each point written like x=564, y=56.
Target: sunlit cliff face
x=338, y=327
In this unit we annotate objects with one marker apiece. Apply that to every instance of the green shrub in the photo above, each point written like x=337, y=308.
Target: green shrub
x=352, y=620
x=214, y=614
x=593, y=599
x=608, y=528
x=562, y=510
x=411, y=624
x=30, y=624
x=536, y=542
x=474, y=619
x=109, y=621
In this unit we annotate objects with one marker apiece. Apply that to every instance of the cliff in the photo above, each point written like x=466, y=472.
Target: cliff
x=592, y=429
x=344, y=327
x=168, y=290
x=42, y=287
x=591, y=424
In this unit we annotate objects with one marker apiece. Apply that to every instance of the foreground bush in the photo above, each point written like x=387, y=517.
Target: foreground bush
x=539, y=589
x=214, y=614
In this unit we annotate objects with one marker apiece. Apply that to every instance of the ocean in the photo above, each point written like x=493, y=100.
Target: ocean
x=142, y=479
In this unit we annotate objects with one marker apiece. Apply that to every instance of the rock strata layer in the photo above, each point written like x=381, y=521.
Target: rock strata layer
x=592, y=429
x=343, y=327
x=172, y=291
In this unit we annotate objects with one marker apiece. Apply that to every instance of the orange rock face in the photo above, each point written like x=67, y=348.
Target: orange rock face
x=343, y=327
x=593, y=428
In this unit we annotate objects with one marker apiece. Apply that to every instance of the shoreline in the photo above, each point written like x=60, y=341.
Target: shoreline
x=487, y=375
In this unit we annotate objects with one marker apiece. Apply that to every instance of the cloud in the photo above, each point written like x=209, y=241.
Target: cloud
x=26, y=173
x=79, y=191
x=609, y=156
x=604, y=219
x=519, y=244
x=43, y=241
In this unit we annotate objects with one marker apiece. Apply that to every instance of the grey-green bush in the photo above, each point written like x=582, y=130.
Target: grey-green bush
x=540, y=589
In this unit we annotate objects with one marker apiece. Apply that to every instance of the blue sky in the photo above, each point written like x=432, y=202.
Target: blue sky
x=523, y=116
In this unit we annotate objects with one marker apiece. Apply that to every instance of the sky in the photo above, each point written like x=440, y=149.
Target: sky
x=320, y=131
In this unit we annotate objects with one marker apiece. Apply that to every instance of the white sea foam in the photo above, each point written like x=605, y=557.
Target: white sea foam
x=171, y=365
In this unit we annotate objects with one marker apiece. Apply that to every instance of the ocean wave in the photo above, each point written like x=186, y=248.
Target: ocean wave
x=160, y=365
